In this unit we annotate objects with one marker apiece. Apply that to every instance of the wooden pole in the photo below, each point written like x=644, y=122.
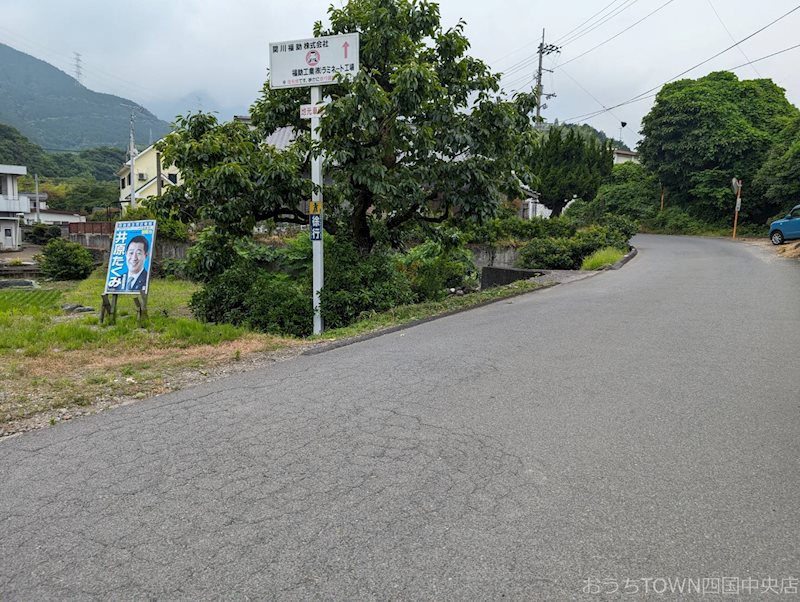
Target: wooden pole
x=662, y=197
x=738, y=205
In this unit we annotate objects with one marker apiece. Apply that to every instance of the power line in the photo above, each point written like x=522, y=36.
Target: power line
x=668, y=2
x=730, y=35
x=529, y=60
x=645, y=95
x=564, y=71
x=571, y=31
x=600, y=22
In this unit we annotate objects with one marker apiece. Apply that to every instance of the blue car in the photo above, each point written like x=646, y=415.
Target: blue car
x=787, y=228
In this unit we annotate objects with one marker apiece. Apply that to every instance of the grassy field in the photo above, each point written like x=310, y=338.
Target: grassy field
x=55, y=365
x=52, y=360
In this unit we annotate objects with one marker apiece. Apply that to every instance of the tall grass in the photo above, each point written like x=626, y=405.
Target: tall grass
x=602, y=258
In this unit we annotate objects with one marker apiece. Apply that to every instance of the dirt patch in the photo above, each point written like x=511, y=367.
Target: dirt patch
x=791, y=249
x=67, y=385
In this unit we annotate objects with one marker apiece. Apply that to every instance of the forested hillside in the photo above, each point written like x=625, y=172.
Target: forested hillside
x=96, y=163
x=56, y=112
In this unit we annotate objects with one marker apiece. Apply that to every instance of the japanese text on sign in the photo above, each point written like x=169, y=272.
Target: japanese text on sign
x=313, y=62
x=315, y=223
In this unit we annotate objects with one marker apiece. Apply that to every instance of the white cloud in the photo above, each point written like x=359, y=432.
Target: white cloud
x=157, y=52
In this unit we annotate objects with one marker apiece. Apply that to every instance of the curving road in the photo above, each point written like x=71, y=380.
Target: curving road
x=633, y=429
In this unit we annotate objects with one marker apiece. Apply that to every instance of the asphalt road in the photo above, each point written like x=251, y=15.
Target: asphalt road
x=635, y=427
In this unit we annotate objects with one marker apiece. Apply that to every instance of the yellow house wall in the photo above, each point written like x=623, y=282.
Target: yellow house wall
x=145, y=163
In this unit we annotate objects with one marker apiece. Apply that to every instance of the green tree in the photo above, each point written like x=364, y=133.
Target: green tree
x=567, y=165
x=701, y=133
x=777, y=182
x=630, y=191
x=417, y=135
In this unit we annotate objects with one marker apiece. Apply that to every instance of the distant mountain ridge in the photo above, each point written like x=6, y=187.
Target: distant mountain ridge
x=55, y=111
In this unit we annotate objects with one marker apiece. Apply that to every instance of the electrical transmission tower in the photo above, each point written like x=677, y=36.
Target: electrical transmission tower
x=78, y=67
x=544, y=49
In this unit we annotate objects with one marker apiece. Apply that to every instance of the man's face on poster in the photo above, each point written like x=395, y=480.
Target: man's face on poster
x=135, y=257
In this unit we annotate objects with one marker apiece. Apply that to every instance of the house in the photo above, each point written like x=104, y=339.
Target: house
x=13, y=206
x=150, y=178
x=40, y=213
x=625, y=156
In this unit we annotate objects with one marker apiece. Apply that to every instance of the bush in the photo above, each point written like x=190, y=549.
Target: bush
x=222, y=299
x=675, y=221
x=41, y=234
x=62, y=260
x=433, y=267
x=356, y=285
x=513, y=228
x=559, y=253
x=278, y=305
x=626, y=226
x=246, y=293
x=547, y=254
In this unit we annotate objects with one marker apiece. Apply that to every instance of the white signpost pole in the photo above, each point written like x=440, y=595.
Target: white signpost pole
x=318, y=272
x=313, y=63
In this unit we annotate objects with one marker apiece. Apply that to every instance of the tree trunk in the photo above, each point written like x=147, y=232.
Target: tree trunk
x=556, y=207
x=361, y=234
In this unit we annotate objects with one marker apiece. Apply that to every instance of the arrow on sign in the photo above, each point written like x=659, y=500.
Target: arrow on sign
x=346, y=45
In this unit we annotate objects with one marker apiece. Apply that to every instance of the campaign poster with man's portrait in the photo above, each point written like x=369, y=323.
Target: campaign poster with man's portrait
x=131, y=252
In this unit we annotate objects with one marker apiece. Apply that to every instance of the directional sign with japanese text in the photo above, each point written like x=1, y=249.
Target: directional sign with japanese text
x=312, y=62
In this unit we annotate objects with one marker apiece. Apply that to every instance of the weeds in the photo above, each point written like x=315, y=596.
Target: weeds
x=602, y=258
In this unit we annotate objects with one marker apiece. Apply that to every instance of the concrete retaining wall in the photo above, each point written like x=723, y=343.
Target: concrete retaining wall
x=504, y=257
x=165, y=249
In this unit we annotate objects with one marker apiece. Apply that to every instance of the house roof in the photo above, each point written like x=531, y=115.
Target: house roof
x=14, y=170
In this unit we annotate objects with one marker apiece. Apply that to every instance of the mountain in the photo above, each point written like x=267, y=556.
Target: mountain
x=96, y=163
x=56, y=112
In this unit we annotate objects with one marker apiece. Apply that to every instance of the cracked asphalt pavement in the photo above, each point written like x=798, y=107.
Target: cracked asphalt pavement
x=640, y=424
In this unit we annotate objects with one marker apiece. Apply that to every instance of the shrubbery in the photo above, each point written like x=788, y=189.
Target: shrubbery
x=248, y=293
x=433, y=267
x=675, y=221
x=63, y=260
x=561, y=253
x=40, y=234
x=513, y=229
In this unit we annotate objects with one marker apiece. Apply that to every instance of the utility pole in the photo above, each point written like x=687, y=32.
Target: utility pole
x=38, y=200
x=543, y=50
x=132, y=152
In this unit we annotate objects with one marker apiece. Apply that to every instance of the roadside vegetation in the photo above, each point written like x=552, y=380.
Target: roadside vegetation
x=57, y=364
x=431, y=161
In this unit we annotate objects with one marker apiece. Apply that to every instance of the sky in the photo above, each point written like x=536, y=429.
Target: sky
x=173, y=57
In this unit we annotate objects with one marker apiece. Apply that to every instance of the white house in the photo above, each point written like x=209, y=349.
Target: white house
x=13, y=206
x=625, y=156
x=40, y=213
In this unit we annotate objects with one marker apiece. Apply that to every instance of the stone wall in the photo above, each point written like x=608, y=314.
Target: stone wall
x=486, y=256
x=165, y=249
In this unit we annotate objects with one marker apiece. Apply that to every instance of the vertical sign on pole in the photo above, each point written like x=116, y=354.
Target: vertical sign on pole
x=736, y=185
x=313, y=63
x=316, y=218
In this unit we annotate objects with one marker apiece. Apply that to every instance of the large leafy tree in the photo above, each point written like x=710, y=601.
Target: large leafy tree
x=567, y=165
x=417, y=135
x=701, y=133
x=778, y=180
